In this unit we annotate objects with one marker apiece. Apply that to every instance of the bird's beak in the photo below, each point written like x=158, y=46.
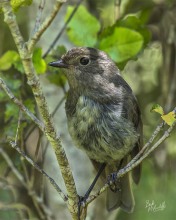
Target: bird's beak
x=59, y=63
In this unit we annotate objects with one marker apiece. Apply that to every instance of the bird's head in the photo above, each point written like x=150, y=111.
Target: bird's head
x=86, y=68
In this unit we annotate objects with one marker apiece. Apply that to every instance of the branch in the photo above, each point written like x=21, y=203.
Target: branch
x=63, y=28
x=18, y=206
x=146, y=146
x=35, y=38
x=13, y=144
x=18, y=175
x=20, y=105
x=33, y=81
x=53, y=113
x=39, y=15
x=53, y=183
x=12, y=167
x=172, y=90
x=117, y=4
x=136, y=160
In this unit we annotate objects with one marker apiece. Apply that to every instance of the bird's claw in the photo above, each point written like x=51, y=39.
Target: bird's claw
x=81, y=203
x=112, y=178
x=113, y=182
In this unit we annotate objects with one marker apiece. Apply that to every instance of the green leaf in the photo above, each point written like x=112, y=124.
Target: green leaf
x=157, y=108
x=12, y=83
x=39, y=62
x=134, y=23
x=16, y=4
x=8, y=59
x=169, y=118
x=145, y=14
x=11, y=111
x=121, y=43
x=18, y=65
x=30, y=104
x=125, y=39
x=3, y=97
x=83, y=27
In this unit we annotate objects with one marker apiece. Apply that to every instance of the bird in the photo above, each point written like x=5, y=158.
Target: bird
x=103, y=117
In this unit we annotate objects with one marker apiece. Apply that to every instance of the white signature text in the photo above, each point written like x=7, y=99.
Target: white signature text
x=151, y=206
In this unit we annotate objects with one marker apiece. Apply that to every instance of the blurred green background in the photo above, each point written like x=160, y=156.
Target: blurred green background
x=140, y=36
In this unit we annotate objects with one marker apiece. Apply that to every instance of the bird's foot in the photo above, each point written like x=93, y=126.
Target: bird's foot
x=114, y=182
x=112, y=177
x=81, y=203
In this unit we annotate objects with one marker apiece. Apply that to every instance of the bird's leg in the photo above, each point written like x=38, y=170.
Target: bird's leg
x=94, y=181
x=116, y=182
x=83, y=199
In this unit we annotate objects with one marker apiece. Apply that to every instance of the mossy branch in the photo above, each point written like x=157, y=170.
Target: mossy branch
x=25, y=51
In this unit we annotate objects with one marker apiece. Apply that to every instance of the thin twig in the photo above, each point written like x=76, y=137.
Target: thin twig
x=5, y=185
x=20, y=105
x=58, y=106
x=18, y=126
x=35, y=38
x=12, y=167
x=130, y=165
x=49, y=130
x=38, y=208
x=142, y=151
x=36, y=155
x=38, y=201
x=117, y=4
x=127, y=168
x=63, y=28
x=16, y=206
x=53, y=183
x=172, y=90
x=39, y=15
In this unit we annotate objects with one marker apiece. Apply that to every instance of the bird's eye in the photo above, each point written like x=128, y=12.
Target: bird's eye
x=84, y=61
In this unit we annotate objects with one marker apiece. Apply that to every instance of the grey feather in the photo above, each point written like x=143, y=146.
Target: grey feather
x=103, y=116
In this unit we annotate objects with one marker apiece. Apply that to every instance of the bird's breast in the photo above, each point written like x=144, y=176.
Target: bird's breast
x=101, y=132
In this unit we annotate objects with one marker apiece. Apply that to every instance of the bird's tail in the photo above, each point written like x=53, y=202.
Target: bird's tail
x=121, y=196
x=120, y=193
